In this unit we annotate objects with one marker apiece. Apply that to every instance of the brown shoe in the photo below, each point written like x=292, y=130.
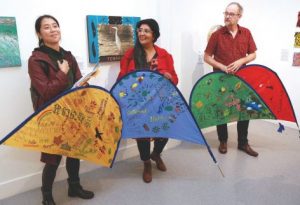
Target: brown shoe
x=223, y=147
x=159, y=163
x=246, y=148
x=147, y=174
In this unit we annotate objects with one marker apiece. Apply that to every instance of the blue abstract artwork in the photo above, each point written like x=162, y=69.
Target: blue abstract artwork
x=9, y=46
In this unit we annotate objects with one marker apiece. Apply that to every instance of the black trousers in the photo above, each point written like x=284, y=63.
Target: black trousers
x=49, y=173
x=242, y=129
x=144, y=147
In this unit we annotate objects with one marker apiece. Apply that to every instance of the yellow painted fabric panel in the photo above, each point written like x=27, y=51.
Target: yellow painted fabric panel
x=84, y=123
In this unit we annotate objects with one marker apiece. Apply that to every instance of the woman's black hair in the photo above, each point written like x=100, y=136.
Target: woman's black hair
x=153, y=26
x=38, y=24
x=139, y=52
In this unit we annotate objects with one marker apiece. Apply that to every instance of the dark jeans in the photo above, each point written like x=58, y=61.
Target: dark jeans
x=144, y=147
x=242, y=129
x=49, y=173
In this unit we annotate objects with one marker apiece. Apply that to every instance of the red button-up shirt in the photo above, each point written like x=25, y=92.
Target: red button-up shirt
x=226, y=49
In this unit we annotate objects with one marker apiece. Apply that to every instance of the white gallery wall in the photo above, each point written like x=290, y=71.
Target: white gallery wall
x=184, y=27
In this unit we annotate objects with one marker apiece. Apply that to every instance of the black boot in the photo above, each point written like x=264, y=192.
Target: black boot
x=47, y=198
x=75, y=190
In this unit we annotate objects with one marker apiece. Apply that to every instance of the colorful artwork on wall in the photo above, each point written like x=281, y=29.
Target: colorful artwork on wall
x=296, y=59
x=9, y=46
x=298, y=21
x=110, y=36
x=297, y=40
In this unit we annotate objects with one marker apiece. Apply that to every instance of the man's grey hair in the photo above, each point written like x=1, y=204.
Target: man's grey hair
x=238, y=5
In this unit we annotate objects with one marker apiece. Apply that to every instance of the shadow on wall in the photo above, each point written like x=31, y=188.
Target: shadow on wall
x=192, y=63
x=112, y=75
x=201, y=68
x=108, y=75
x=198, y=69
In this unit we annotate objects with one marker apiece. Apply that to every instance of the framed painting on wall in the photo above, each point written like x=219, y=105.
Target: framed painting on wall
x=109, y=37
x=298, y=20
x=297, y=40
x=9, y=45
x=296, y=59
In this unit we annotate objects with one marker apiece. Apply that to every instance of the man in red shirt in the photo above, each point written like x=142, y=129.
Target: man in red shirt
x=229, y=48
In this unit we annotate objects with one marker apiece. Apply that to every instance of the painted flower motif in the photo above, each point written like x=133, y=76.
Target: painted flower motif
x=222, y=89
x=122, y=94
x=226, y=112
x=165, y=126
x=133, y=86
x=238, y=85
x=155, y=129
x=199, y=104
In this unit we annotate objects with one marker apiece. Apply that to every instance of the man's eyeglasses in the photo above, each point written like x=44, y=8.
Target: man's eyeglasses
x=146, y=31
x=230, y=14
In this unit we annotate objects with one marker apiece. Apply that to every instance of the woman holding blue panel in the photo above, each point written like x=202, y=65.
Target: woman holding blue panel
x=147, y=55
